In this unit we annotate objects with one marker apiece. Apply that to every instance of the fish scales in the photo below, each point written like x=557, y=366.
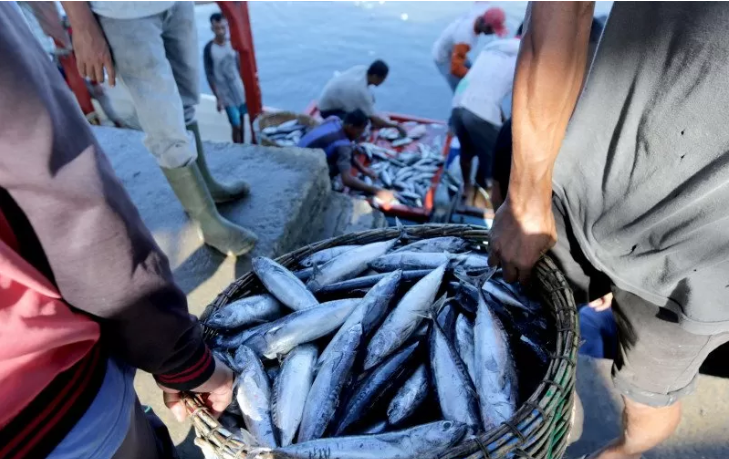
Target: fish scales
x=283, y=284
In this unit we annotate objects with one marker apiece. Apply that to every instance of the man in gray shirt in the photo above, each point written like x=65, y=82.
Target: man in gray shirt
x=222, y=65
x=152, y=46
x=350, y=90
x=634, y=191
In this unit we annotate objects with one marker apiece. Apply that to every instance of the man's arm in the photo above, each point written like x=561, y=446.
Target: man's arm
x=344, y=165
x=89, y=44
x=548, y=79
x=378, y=122
x=209, y=72
x=361, y=167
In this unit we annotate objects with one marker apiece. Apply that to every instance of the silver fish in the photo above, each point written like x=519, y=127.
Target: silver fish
x=301, y=327
x=374, y=429
x=282, y=284
x=424, y=260
x=502, y=295
x=428, y=440
x=254, y=397
x=322, y=256
x=450, y=244
x=290, y=390
x=323, y=398
x=349, y=264
x=250, y=310
x=405, y=318
x=236, y=340
x=456, y=393
x=376, y=387
x=386, y=178
x=409, y=397
x=369, y=312
x=465, y=344
x=495, y=372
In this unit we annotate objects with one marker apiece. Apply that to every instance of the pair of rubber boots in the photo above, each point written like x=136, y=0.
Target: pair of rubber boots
x=198, y=193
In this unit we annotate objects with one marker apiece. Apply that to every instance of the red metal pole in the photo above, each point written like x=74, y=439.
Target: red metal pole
x=241, y=38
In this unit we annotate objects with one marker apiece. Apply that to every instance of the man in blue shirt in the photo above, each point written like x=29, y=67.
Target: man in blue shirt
x=336, y=137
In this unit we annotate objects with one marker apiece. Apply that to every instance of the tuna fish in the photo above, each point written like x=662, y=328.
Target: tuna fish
x=246, y=311
x=323, y=398
x=301, y=327
x=349, y=264
x=405, y=318
x=428, y=440
x=409, y=397
x=370, y=311
x=424, y=260
x=456, y=393
x=291, y=389
x=323, y=256
x=436, y=245
x=381, y=383
x=283, y=284
x=464, y=343
x=254, y=397
x=365, y=282
x=496, y=382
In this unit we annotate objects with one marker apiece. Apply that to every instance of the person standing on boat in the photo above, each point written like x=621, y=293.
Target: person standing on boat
x=337, y=138
x=152, y=46
x=222, y=69
x=450, y=51
x=477, y=115
x=87, y=295
x=350, y=90
x=625, y=181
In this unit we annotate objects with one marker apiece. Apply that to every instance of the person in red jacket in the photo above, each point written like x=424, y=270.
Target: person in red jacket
x=450, y=51
x=86, y=295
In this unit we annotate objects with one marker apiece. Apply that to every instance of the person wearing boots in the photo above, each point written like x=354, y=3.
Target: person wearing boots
x=152, y=47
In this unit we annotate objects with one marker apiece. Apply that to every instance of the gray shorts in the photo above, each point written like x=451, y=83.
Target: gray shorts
x=657, y=361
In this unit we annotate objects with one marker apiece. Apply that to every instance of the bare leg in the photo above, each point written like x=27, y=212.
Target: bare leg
x=468, y=188
x=644, y=427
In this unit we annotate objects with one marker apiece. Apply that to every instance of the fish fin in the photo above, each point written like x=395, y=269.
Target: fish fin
x=312, y=284
x=435, y=309
x=483, y=278
x=401, y=228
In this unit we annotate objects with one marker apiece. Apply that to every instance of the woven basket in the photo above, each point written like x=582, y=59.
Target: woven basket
x=276, y=118
x=538, y=430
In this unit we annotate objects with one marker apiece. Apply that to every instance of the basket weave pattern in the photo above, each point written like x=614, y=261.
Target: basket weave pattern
x=538, y=430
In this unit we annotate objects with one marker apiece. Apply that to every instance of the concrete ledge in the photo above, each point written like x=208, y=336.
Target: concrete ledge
x=289, y=190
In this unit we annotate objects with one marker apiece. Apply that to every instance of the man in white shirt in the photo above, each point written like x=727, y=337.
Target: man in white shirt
x=350, y=90
x=450, y=51
x=154, y=49
x=477, y=115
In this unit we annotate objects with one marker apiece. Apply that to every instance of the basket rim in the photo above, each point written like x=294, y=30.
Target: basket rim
x=536, y=425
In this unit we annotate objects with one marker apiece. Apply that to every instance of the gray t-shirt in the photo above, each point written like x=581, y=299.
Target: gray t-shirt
x=644, y=169
x=228, y=83
x=129, y=10
x=348, y=91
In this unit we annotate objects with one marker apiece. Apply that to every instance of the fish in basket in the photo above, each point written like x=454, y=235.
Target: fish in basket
x=393, y=344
